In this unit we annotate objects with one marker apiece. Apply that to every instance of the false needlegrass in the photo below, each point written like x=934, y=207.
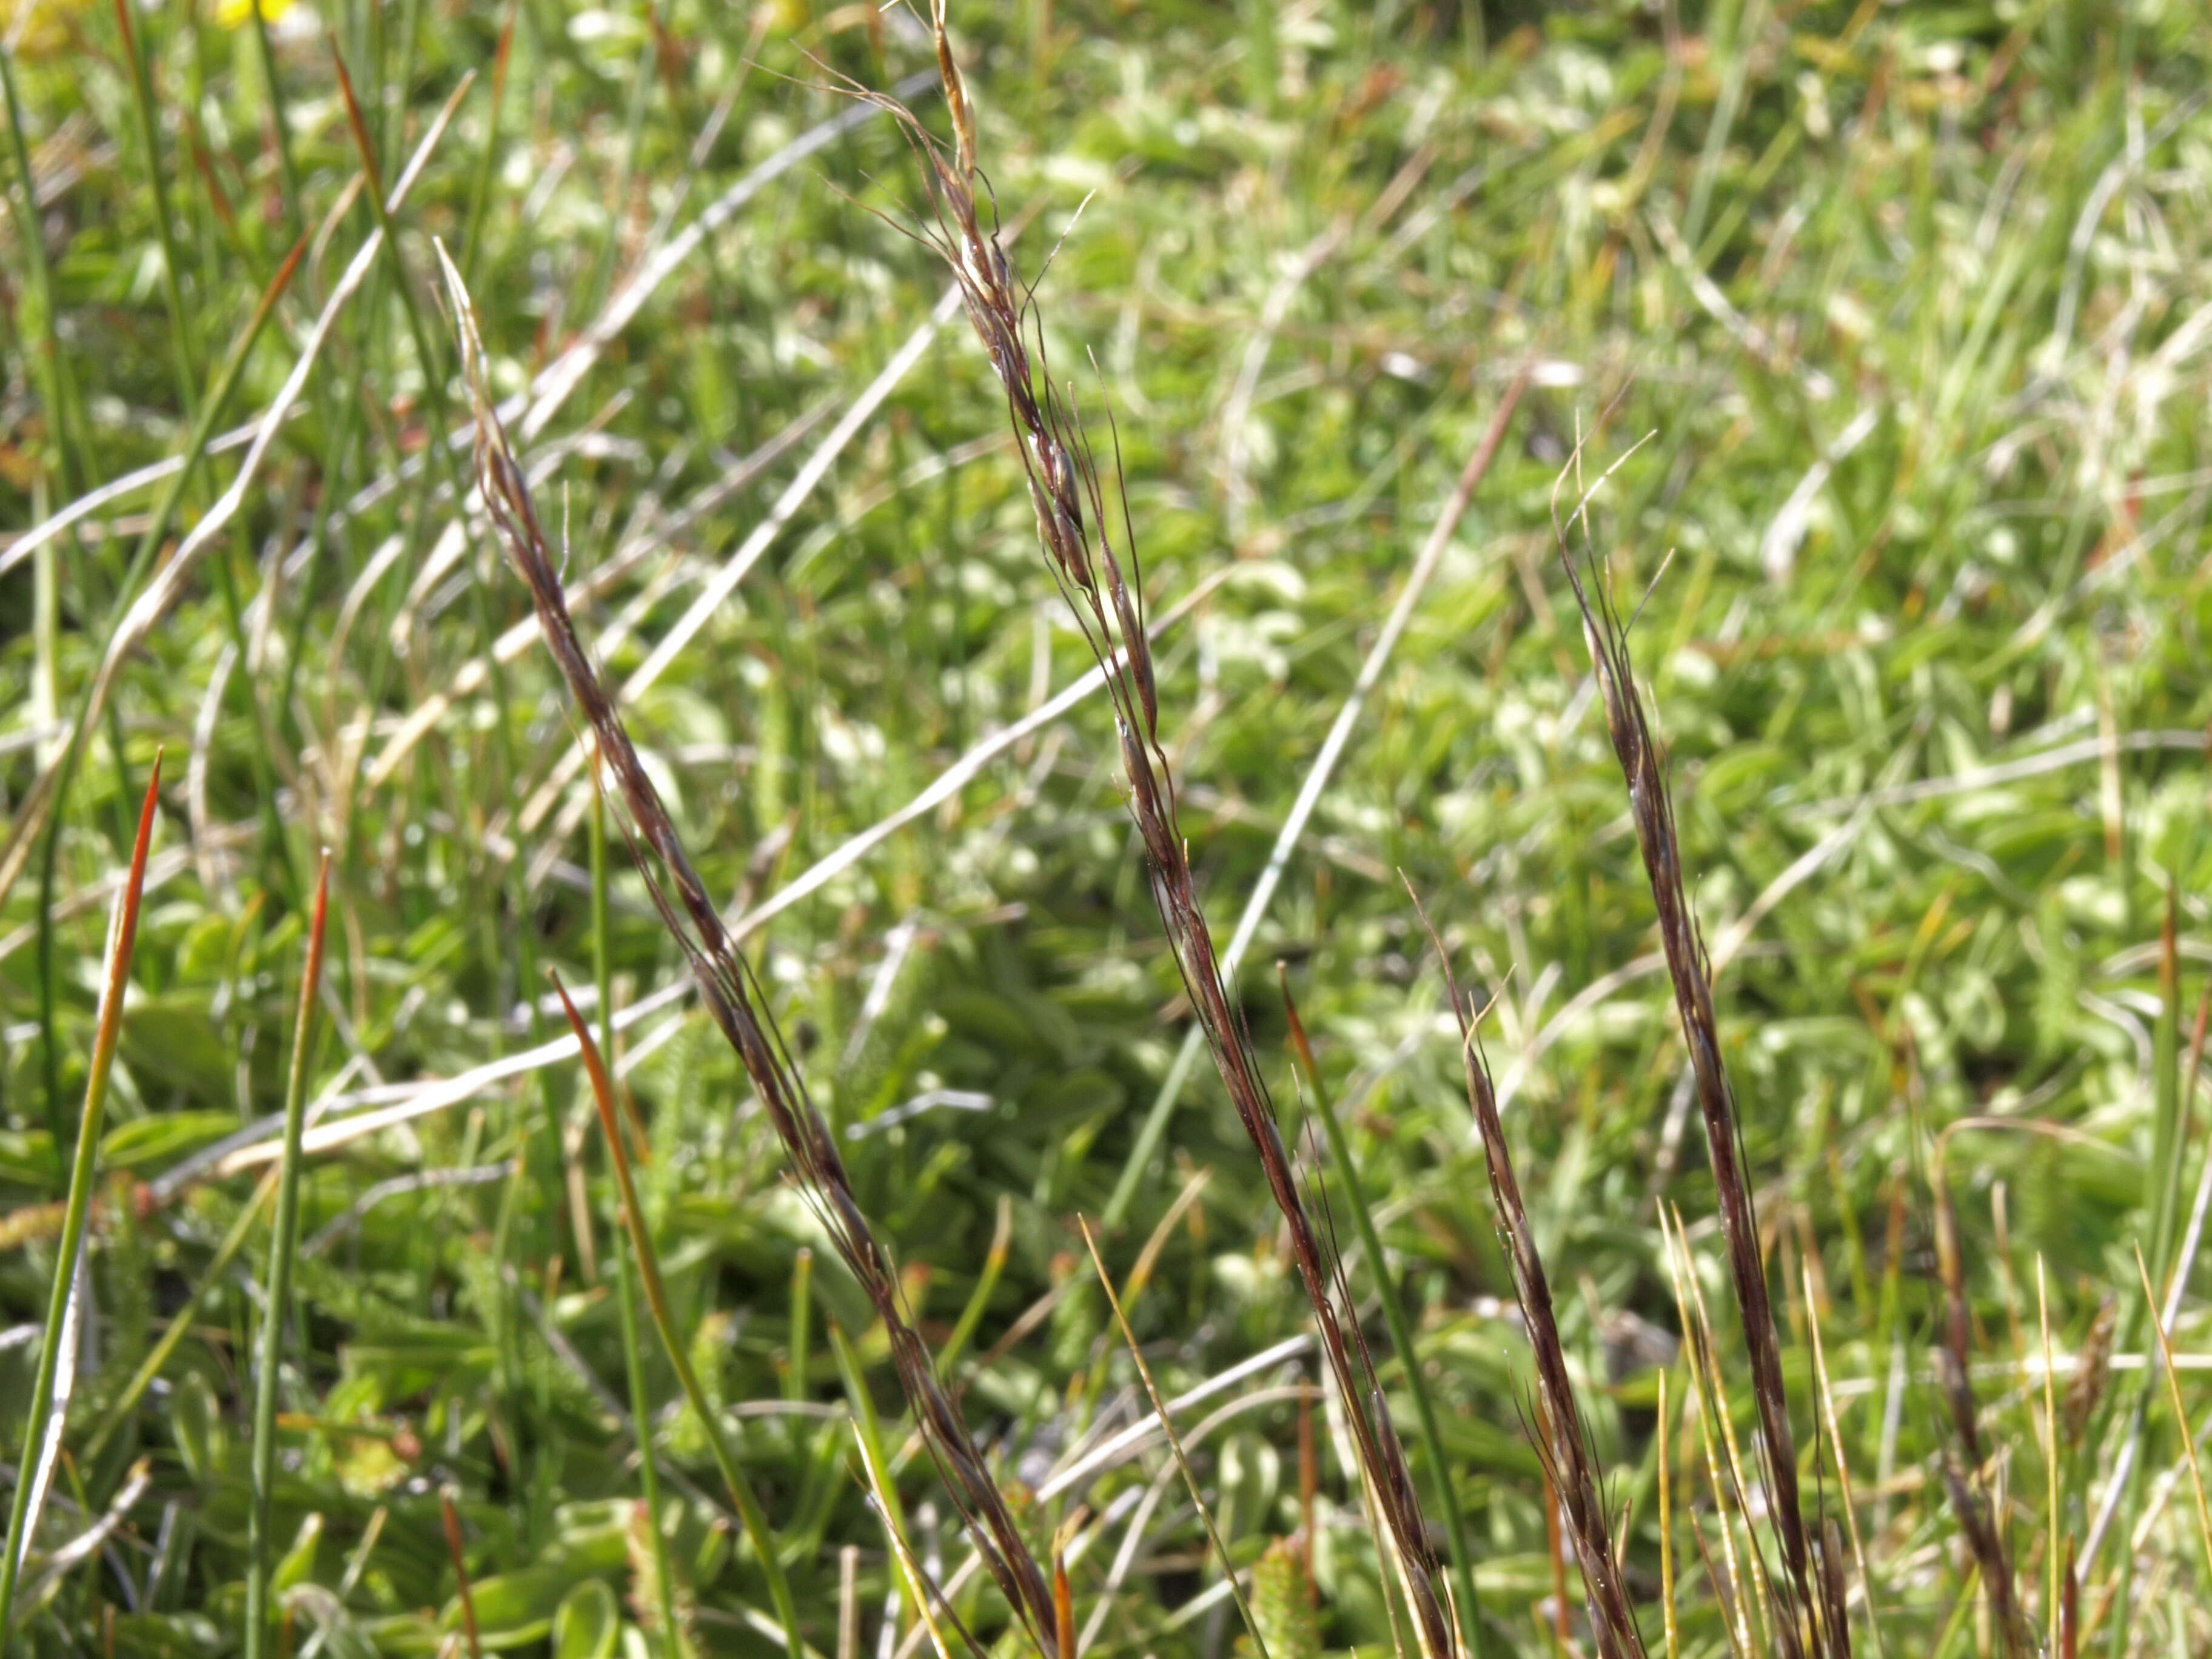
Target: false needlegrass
x=1067, y=495
x=732, y=997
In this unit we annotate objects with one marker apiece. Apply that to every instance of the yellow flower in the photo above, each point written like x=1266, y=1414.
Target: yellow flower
x=233, y=14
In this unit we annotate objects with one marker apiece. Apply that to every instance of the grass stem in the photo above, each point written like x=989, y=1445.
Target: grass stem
x=750, y=1513
x=1350, y=1189
x=276, y=1311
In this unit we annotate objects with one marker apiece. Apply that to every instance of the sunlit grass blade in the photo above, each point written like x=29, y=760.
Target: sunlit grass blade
x=664, y=1321
x=1175, y=1444
x=2173, y=1374
x=1350, y=1189
x=276, y=1309
x=43, y=1424
x=641, y=1397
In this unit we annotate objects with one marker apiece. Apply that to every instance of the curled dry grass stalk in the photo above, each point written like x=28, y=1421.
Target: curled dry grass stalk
x=734, y=999
x=1068, y=495
x=1564, y=1444
x=1809, y=1615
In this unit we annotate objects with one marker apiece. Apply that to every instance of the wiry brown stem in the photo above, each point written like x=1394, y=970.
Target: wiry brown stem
x=1961, y=1480
x=1072, y=523
x=733, y=998
x=1805, y=1626
x=1563, y=1442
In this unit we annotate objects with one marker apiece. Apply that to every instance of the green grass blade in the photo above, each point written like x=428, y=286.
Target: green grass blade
x=748, y=1506
x=1349, y=1187
x=284, y=1244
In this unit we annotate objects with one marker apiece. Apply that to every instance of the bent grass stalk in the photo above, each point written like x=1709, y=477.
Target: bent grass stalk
x=276, y=1311
x=1174, y=1444
x=43, y=1424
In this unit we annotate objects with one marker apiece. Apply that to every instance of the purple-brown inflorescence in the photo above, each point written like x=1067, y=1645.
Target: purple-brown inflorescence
x=1080, y=549
x=1563, y=1443
x=1805, y=1623
x=734, y=1000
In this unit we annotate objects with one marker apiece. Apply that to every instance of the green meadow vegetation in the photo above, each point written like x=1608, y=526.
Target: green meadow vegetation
x=1228, y=829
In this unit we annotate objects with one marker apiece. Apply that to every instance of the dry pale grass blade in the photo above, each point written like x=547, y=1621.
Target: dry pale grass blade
x=1175, y=1443
x=47, y=1419
x=1562, y=1440
x=1319, y=773
x=551, y=390
x=2180, y=1413
x=94, y=1539
x=353, y=1117
x=928, y=1600
x=1709, y=1399
x=1666, y=1529
x=1103, y=585
x=169, y=583
x=1844, y=1471
x=734, y=569
x=733, y=998
x=1806, y=1626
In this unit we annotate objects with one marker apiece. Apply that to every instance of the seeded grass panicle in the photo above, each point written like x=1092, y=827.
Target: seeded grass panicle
x=1068, y=499
x=1808, y=1621
x=734, y=999
x=1564, y=1441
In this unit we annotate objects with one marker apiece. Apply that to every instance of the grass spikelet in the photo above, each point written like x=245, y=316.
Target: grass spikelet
x=1562, y=1441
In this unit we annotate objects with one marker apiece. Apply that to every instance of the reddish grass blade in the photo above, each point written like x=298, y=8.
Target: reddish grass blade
x=42, y=1427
